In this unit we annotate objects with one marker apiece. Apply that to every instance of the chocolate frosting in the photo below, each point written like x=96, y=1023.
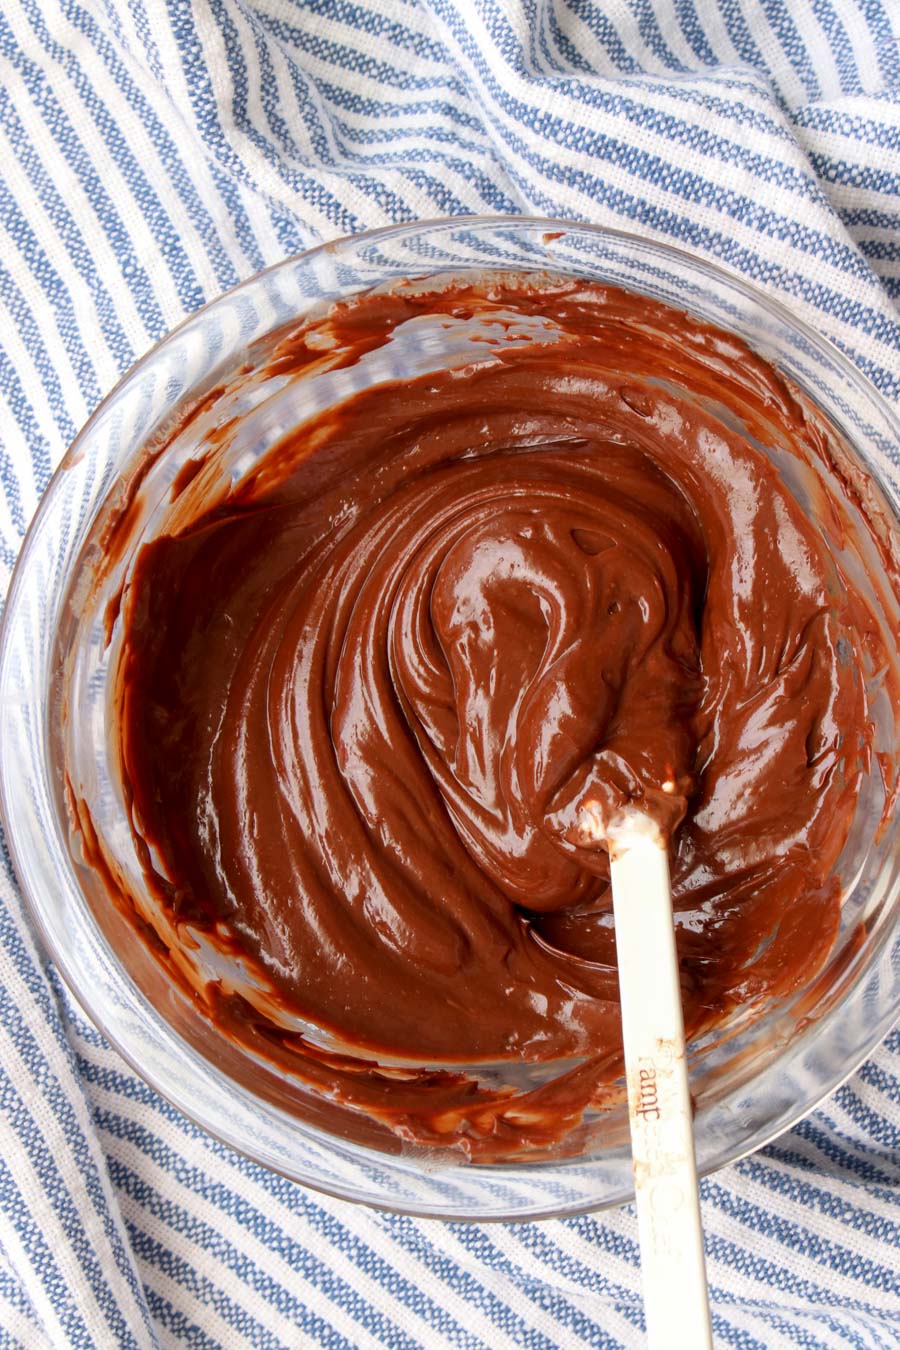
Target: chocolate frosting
x=366, y=693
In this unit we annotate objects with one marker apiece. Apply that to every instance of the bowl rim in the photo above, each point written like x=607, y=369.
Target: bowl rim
x=889, y=483
x=775, y=306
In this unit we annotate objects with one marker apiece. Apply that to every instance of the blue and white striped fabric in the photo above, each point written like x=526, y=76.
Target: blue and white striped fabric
x=155, y=152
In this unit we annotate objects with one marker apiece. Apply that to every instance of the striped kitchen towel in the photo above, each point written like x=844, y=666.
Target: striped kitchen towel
x=152, y=154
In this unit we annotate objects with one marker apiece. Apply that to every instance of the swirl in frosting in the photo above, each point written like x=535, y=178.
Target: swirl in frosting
x=366, y=694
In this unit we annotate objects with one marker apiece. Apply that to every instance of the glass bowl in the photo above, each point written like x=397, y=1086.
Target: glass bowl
x=755, y=1083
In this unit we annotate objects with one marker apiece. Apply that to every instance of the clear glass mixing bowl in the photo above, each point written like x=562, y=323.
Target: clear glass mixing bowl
x=764, y=1077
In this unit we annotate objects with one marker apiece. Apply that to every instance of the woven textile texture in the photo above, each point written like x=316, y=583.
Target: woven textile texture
x=152, y=154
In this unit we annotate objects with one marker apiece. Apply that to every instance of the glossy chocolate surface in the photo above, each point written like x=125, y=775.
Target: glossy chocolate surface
x=365, y=696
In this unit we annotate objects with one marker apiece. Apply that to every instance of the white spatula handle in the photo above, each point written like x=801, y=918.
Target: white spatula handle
x=665, y=1173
